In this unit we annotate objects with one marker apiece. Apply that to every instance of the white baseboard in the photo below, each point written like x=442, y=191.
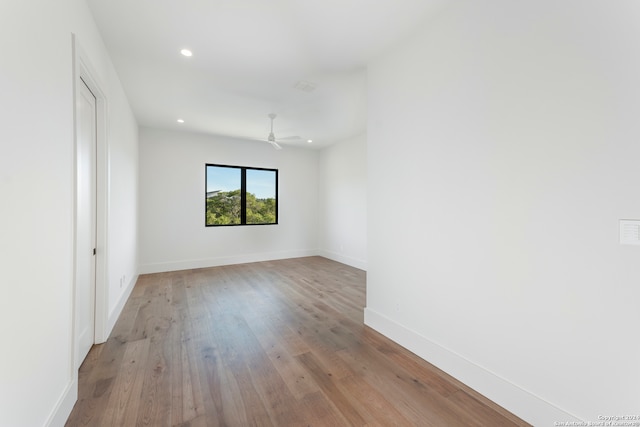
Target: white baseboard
x=513, y=398
x=353, y=262
x=65, y=404
x=228, y=260
x=115, y=313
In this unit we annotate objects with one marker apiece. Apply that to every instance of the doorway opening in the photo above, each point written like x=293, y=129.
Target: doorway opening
x=85, y=274
x=91, y=203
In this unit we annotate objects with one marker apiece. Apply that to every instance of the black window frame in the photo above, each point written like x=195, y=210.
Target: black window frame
x=243, y=194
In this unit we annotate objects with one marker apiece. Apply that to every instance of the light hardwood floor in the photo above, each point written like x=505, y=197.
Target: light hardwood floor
x=277, y=343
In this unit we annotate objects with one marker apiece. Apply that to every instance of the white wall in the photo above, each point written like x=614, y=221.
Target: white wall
x=38, y=383
x=506, y=134
x=343, y=202
x=172, y=176
x=122, y=258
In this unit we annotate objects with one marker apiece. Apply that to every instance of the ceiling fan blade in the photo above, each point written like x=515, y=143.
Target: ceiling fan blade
x=275, y=145
x=290, y=138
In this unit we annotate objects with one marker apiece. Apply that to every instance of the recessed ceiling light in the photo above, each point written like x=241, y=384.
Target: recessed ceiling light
x=186, y=52
x=309, y=141
x=180, y=121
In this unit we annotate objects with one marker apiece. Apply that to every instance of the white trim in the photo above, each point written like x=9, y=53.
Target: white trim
x=353, y=262
x=515, y=399
x=73, y=372
x=64, y=406
x=230, y=260
x=117, y=310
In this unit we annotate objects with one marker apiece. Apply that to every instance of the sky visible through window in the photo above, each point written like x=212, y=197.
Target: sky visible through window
x=261, y=183
x=222, y=179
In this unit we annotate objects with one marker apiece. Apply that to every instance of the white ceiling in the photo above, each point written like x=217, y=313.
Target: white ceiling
x=247, y=57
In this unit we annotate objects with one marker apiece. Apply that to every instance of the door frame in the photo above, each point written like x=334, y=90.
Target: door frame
x=84, y=72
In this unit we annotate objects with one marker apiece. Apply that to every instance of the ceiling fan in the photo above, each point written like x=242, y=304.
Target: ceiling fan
x=271, y=139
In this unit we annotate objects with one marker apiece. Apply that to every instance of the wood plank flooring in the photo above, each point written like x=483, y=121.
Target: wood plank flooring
x=277, y=343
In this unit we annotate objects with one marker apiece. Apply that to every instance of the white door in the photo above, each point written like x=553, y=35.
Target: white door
x=85, y=220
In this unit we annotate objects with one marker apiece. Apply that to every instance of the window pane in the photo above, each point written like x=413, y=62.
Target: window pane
x=223, y=195
x=261, y=196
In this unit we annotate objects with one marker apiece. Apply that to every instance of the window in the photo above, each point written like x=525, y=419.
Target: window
x=238, y=195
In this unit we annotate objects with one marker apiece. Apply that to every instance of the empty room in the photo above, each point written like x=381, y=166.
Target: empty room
x=297, y=213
